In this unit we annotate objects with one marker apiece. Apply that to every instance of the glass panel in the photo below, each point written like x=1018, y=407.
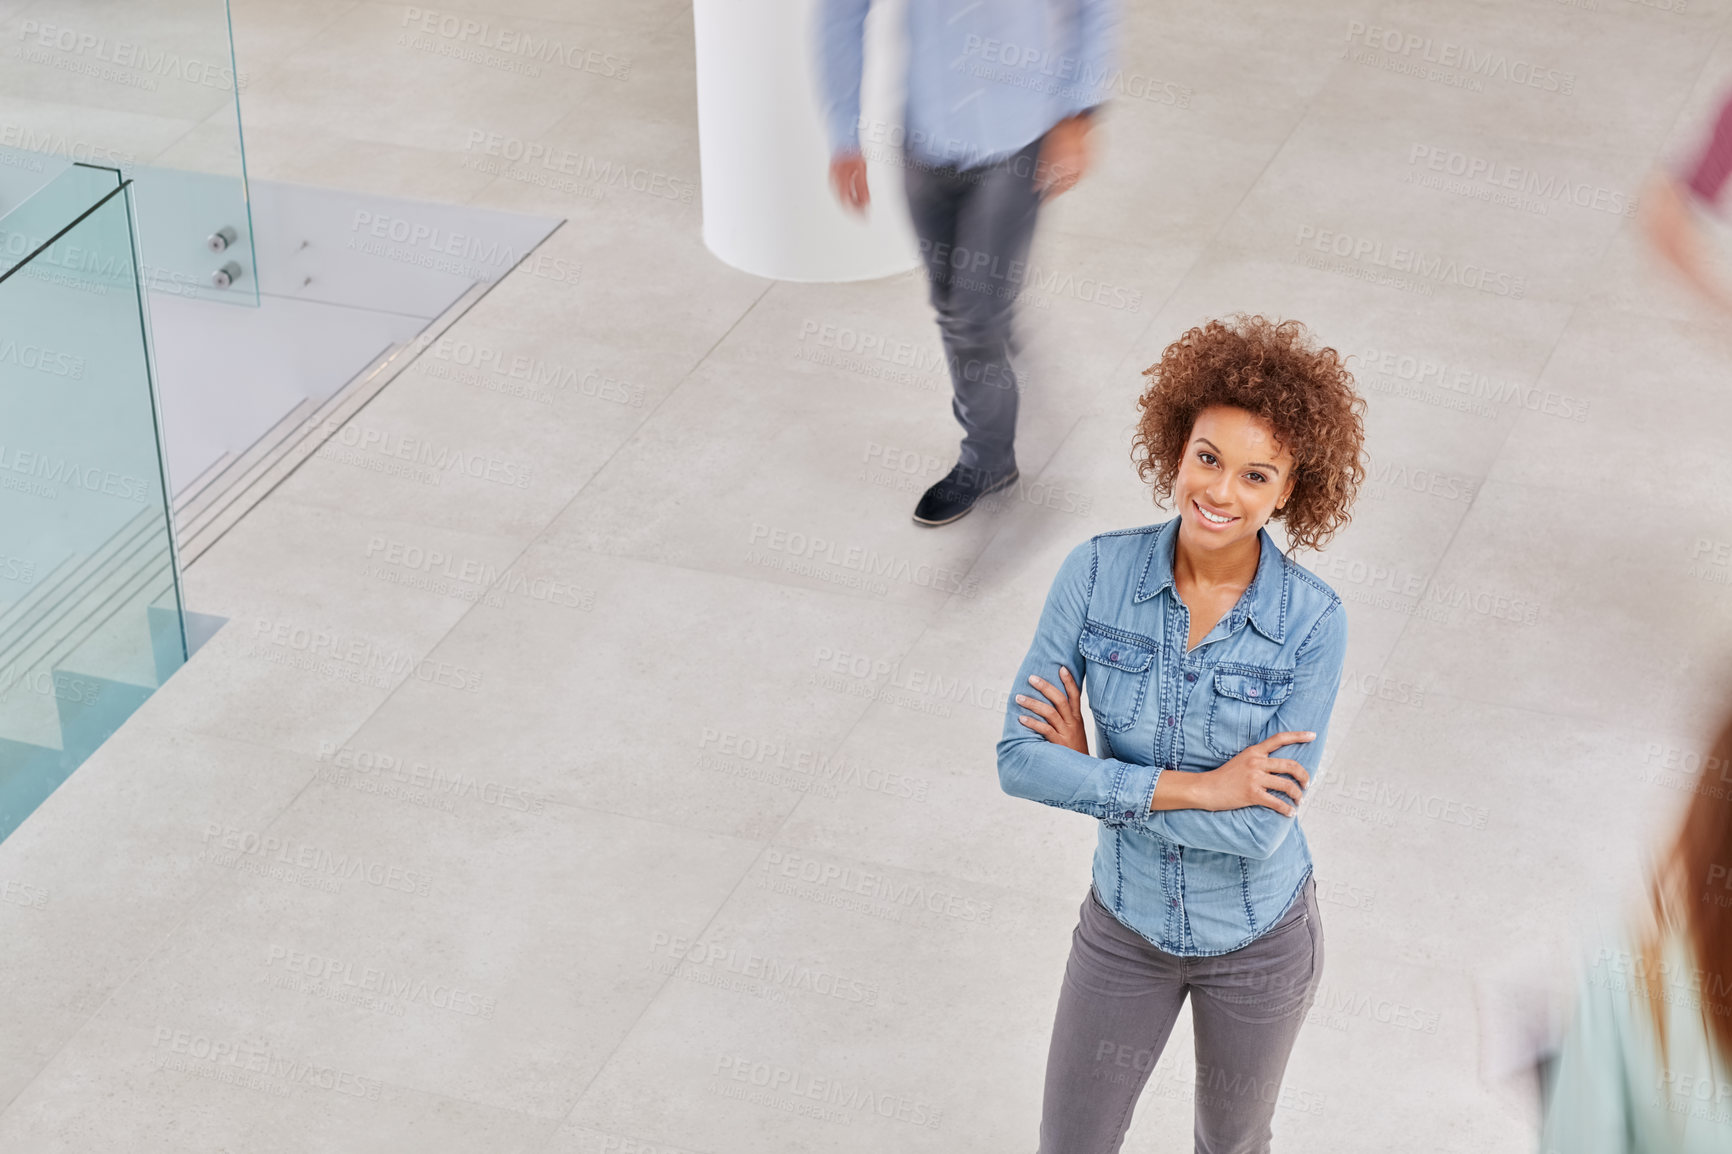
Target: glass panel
x=90, y=609
x=148, y=87
x=49, y=210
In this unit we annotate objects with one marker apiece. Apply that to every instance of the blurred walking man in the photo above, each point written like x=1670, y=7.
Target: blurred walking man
x=999, y=98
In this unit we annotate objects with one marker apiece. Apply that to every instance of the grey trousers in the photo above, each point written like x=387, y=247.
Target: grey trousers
x=975, y=227
x=1120, y=998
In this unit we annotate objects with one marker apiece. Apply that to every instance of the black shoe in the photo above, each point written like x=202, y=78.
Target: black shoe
x=956, y=494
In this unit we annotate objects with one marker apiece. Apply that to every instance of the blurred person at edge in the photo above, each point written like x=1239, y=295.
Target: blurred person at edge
x=1672, y=200
x=1212, y=662
x=1000, y=97
x=1646, y=1061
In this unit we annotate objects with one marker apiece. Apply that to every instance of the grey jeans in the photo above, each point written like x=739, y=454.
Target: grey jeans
x=975, y=227
x=1121, y=996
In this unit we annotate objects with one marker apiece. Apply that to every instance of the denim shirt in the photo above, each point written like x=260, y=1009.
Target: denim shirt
x=1192, y=881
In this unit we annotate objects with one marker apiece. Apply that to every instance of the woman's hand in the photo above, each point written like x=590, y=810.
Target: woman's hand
x=1253, y=778
x=1062, y=712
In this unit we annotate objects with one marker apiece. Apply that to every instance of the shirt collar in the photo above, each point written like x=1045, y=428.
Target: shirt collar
x=1264, y=603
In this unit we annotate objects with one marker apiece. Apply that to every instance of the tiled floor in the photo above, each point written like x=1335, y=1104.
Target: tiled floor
x=396, y=866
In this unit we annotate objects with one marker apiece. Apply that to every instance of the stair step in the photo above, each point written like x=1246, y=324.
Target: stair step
x=291, y=444
x=188, y=491
x=197, y=503
x=78, y=617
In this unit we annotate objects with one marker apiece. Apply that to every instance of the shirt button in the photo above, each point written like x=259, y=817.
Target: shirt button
x=1251, y=692
x=1174, y=902
x=1113, y=656
x=1190, y=677
x=1130, y=813
x=1170, y=721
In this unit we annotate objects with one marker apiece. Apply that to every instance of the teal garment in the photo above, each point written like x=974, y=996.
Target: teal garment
x=1611, y=1091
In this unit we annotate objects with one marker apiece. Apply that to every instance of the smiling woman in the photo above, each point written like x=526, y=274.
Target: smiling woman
x=1289, y=399
x=1206, y=651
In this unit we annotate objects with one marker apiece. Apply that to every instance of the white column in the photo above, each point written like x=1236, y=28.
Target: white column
x=768, y=208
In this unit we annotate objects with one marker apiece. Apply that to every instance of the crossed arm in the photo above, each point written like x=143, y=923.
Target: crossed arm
x=1243, y=807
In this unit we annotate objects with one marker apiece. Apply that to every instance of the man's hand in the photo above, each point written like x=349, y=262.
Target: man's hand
x=848, y=180
x=1254, y=778
x=1064, y=157
x=1063, y=723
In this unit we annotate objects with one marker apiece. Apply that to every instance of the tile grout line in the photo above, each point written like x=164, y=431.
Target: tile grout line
x=1202, y=251
x=927, y=628
x=1563, y=332
x=530, y=544
x=194, y=903
x=936, y=612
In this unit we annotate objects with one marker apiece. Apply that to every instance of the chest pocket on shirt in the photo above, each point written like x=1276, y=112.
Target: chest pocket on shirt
x=1244, y=704
x=1118, y=676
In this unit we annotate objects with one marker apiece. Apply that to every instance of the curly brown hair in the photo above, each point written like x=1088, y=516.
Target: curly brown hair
x=1270, y=369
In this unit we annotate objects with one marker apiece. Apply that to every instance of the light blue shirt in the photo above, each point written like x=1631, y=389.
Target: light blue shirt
x=1611, y=1090
x=1191, y=881
x=985, y=77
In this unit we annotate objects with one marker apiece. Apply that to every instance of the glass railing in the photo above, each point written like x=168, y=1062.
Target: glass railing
x=90, y=608
x=148, y=87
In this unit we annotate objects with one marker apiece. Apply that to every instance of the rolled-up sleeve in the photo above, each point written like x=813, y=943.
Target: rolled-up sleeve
x=840, y=35
x=1030, y=766
x=1257, y=831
